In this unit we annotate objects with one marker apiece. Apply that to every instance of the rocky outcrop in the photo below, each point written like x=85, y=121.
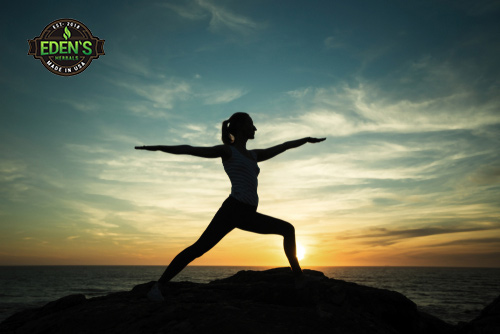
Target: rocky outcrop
x=488, y=322
x=248, y=302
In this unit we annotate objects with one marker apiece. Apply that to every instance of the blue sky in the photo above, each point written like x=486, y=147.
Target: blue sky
x=407, y=93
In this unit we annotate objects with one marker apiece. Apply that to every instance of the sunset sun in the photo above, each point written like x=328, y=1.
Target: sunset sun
x=301, y=252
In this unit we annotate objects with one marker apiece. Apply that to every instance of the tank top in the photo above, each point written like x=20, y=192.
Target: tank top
x=242, y=172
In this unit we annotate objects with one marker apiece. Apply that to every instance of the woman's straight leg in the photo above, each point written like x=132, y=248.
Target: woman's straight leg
x=216, y=230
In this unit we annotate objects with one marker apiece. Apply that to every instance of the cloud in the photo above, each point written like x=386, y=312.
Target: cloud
x=224, y=19
x=86, y=107
x=390, y=159
x=486, y=175
x=136, y=65
x=191, y=10
x=333, y=42
x=424, y=96
x=223, y=96
x=162, y=95
x=299, y=93
x=11, y=170
x=382, y=236
x=468, y=242
x=421, y=232
x=221, y=19
x=158, y=180
x=14, y=180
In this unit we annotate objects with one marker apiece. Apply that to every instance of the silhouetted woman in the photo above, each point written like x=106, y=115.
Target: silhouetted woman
x=240, y=208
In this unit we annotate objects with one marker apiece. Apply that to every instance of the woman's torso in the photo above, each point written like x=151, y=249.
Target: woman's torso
x=243, y=172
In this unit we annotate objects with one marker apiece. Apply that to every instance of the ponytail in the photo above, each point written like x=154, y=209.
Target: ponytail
x=226, y=136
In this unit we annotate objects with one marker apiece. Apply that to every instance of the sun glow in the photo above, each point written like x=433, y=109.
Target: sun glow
x=301, y=252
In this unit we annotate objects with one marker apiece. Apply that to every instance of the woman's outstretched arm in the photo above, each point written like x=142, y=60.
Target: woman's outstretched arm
x=219, y=151
x=271, y=152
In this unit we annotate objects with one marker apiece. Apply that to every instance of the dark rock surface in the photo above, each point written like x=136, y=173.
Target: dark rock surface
x=248, y=302
x=488, y=322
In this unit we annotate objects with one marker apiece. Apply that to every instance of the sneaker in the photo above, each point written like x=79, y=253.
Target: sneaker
x=155, y=294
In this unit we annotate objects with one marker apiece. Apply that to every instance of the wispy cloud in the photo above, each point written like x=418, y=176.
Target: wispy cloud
x=221, y=19
x=13, y=180
x=300, y=93
x=223, y=96
x=225, y=19
x=159, y=96
x=334, y=42
x=388, y=236
x=162, y=95
x=130, y=65
x=10, y=170
x=470, y=242
x=443, y=100
x=189, y=10
x=486, y=175
x=83, y=106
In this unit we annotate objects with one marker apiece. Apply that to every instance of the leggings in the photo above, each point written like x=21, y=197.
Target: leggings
x=235, y=214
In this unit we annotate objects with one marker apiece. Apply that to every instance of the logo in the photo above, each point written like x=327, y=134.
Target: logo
x=66, y=47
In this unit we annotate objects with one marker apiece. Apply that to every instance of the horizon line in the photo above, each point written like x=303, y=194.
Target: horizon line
x=240, y=266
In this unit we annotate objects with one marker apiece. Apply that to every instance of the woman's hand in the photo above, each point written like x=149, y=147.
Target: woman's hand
x=314, y=140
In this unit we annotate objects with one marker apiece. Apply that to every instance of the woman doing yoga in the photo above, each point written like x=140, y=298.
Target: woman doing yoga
x=239, y=210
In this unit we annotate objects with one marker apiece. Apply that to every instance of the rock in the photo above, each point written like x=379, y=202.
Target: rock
x=488, y=322
x=248, y=302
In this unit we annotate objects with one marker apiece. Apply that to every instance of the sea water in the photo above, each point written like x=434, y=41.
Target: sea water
x=451, y=294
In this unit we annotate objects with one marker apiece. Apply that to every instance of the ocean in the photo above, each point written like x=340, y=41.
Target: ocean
x=451, y=294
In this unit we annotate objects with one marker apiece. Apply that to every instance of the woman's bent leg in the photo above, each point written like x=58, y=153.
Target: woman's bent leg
x=215, y=231
x=264, y=224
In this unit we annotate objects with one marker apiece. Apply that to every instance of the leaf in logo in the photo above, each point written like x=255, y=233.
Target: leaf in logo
x=67, y=33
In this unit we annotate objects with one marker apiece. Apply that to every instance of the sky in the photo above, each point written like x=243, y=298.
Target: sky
x=406, y=92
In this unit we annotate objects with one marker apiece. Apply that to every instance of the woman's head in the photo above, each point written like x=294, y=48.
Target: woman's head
x=238, y=125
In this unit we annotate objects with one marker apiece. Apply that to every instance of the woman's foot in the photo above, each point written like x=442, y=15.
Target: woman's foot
x=155, y=294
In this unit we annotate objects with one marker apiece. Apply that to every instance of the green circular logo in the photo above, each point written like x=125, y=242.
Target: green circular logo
x=66, y=47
